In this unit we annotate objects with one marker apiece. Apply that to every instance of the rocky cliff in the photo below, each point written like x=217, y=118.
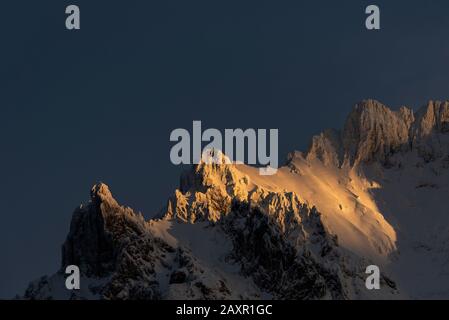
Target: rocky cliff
x=372, y=193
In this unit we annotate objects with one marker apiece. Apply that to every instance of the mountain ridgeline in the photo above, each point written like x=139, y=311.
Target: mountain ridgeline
x=373, y=193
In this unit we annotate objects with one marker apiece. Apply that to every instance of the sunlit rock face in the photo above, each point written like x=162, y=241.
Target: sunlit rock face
x=372, y=193
x=429, y=133
x=373, y=132
x=268, y=244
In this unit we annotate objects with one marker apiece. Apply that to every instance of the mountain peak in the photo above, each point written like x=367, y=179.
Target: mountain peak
x=100, y=190
x=369, y=105
x=306, y=233
x=214, y=156
x=432, y=117
x=372, y=131
x=100, y=193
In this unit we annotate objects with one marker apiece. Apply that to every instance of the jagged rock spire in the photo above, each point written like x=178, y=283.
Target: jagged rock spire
x=373, y=132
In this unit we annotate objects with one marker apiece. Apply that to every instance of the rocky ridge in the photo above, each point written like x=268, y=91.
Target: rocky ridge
x=228, y=234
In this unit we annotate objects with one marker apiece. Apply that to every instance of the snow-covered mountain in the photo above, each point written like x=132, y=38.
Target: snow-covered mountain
x=375, y=192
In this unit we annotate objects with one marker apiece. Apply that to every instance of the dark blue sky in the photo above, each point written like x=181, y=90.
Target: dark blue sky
x=99, y=104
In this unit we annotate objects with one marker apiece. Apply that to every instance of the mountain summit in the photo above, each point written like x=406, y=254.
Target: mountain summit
x=373, y=132
x=372, y=193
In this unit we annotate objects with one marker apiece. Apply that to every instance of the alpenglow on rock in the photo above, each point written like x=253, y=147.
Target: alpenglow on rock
x=372, y=193
x=373, y=132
